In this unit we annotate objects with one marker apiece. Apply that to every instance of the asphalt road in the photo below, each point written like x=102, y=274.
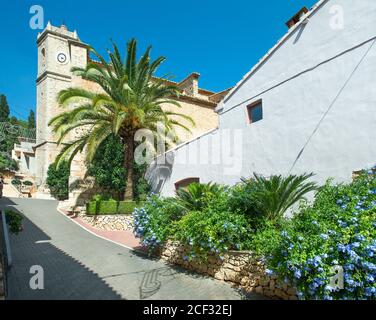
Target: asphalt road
x=79, y=265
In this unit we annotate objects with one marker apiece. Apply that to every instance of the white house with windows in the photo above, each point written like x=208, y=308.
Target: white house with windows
x=309, y=105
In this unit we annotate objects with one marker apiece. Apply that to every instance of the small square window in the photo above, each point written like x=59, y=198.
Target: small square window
x=255, y=112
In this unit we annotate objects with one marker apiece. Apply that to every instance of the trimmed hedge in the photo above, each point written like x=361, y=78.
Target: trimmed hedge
x=107, y=207
x=91, y=207
x=111, y=207
x=127, y=207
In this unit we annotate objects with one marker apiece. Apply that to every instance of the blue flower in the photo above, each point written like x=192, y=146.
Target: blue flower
x=370, y=291
x=356, y=244
x=284, y=234
x=269, y=272
x=351, y=283
x=341, y=248
x=342, y=224
x=298, y=274
x=354, y=220
x=370, y=278
x=350, y=267
x=360, y=238
x=315, y=223
x=324, y=236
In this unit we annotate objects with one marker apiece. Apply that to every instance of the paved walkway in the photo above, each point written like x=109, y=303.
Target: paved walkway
x=79, y=265
x=125, y=238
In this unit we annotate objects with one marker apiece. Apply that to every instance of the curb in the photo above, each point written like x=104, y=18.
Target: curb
x=98, y=236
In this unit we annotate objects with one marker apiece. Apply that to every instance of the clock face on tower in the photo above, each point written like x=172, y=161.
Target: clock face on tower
x=61, y=57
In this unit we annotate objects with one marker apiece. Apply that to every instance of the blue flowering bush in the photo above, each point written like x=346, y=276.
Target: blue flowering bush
x=213, y=231
x=155, y=221
x=337, y=232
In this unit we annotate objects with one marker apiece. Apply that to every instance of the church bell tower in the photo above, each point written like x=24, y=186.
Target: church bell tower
x=58, y=51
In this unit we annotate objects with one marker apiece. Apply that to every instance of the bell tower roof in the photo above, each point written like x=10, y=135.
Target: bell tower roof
x=61, y=31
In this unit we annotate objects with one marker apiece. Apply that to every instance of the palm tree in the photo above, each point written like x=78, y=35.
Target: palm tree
x=195, y=196
x=132, y=99
x=272, y=197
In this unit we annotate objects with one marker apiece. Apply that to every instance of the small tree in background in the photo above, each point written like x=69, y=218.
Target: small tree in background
x=6, y=163
x=108, y=170
x=58, y=180
x=107, y=166
x=31, y=120
x=4, y=109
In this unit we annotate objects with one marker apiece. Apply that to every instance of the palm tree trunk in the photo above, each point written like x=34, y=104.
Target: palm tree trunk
x=128, y=164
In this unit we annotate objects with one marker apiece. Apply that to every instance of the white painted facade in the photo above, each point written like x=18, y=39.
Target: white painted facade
x=24, y=154
x=318, y=91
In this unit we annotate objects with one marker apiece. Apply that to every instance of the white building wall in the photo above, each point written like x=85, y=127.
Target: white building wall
x=319, y=97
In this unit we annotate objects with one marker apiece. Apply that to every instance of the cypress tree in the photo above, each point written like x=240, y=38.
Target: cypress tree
x=31, y=120
x=4, y=109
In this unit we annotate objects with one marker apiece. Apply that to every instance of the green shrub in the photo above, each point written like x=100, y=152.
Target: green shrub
x=155, y=221
x=14, y=220
x=107, y=207
x=197, y=196
x=58, y=180
x=127, y=207
x=339, y=229
x=16, y=182
x=214, y=230
x=102, y=197
x=108, y=169
x=110, y=207
x=269, y=198
x=142, y=188
x=267, y=238
x=107, y=166
x=27, y=183
x=6, y=162
x=91, y=208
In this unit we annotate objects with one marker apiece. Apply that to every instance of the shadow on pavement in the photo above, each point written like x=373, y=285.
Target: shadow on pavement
x=64, y=277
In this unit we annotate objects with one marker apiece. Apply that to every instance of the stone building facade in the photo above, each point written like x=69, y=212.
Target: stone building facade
x=58, y=51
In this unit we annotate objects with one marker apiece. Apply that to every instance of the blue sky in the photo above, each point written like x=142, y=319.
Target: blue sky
x=220, y=40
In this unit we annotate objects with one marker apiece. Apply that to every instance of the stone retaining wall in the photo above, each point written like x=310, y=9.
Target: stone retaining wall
x=110, y=222
x=238, y=268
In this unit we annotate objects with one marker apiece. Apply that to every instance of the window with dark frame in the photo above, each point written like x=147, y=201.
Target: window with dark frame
x=255, y=112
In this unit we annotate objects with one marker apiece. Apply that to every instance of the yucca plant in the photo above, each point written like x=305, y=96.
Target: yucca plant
x=271, y=197
x=131, y=99
x=196, y=195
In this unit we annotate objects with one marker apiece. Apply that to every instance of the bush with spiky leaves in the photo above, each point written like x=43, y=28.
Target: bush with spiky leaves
x=270, y=198
x=196, y=196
